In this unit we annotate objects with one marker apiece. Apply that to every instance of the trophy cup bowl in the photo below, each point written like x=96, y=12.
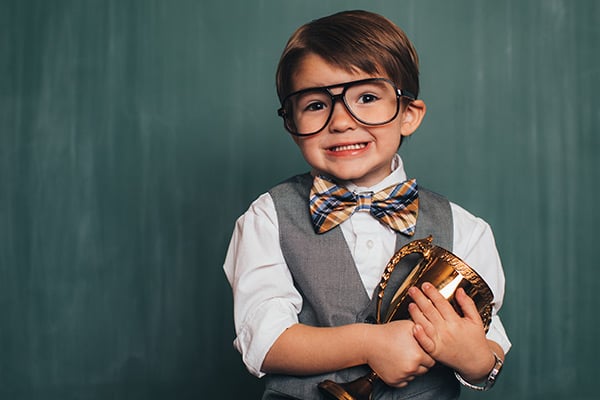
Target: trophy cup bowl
x=437, y=266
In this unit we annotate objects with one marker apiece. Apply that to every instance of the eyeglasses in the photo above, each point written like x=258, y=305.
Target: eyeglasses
x=373, y=101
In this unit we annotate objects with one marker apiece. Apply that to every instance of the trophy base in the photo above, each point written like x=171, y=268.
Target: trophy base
x=361, y=389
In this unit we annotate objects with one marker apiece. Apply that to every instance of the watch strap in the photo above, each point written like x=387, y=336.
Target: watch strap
x=490, y=380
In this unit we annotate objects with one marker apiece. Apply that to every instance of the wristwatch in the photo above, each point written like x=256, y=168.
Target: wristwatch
x=491, y=379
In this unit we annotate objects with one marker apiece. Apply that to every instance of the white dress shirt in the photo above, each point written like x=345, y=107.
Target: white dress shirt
x=266, y=302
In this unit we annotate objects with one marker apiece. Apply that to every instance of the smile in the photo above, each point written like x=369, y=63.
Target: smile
x=347, y=147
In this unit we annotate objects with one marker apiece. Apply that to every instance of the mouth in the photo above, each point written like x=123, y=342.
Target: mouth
x=347, y=147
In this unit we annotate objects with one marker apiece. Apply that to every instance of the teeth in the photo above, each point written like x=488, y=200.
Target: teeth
x=349, y=147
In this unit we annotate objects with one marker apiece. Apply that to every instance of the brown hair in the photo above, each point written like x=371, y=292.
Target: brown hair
x=352, y=40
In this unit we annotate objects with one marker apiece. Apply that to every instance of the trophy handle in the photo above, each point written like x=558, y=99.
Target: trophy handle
x=422, y=246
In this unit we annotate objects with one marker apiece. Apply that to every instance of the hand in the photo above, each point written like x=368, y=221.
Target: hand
x=395, y=355
x=458, y=342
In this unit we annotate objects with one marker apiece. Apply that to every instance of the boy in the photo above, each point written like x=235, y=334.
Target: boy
x=304, y=279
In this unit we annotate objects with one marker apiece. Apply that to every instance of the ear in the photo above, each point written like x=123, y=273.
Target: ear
x=412, y=115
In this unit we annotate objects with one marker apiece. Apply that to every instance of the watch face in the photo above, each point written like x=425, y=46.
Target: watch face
x=495, y=372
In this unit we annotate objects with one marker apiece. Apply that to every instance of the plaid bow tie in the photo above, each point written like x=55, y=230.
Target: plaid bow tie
x=396, y=206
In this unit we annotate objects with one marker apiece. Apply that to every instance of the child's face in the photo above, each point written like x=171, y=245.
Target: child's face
x=345, y=148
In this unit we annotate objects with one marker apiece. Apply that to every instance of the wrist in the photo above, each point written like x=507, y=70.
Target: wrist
x=375, y=339
x=478, y=372
x=367, y=337
x=488, y=380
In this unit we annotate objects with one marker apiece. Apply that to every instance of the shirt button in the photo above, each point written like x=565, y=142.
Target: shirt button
x=370, y=244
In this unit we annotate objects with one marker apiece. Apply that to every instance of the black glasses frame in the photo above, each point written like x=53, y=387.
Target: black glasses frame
x=335, y=97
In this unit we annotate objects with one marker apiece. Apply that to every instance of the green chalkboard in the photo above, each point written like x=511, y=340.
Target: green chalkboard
x=133, y=133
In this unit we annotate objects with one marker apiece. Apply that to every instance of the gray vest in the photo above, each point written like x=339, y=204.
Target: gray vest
x=333, y=294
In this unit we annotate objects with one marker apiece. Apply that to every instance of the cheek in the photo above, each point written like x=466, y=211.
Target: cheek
x=308, y=148
x=391, y=136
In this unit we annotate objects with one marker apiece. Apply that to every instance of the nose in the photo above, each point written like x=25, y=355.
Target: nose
x=341, y=120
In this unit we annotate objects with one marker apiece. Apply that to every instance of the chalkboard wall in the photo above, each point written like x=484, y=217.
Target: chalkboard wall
x=134, y=132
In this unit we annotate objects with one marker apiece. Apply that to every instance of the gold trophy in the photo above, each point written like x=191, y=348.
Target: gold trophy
x=443, y=270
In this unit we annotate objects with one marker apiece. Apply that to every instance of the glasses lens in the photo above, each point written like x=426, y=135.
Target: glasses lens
x=371, y=102
x=307, y=112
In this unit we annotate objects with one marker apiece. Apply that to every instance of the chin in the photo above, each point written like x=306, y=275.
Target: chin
x=355, y=178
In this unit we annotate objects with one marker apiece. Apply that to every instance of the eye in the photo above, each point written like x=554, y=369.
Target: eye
x=367, y=98
x=315, y=106
x=311, y=101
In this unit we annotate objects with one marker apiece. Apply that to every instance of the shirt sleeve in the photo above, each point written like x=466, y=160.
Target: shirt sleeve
x=474, y=243
x=266, y=302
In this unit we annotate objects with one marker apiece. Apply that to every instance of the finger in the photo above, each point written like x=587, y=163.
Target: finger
x=441, y=304
x=467, y=305
x=418, y=317
x=403, y=383
x=429, y=362
x=425, y=304
x=422, y=370
x=423, y=339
